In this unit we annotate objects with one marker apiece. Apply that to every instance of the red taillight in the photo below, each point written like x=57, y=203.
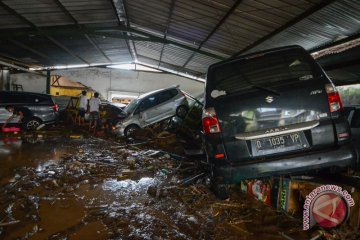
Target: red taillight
x=343, y=136
x=55, y=107
x=333, y=98
x=219, y=155
x=210, y=122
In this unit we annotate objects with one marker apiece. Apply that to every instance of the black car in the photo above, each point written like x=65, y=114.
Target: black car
x=43, y=108
x=273, y=113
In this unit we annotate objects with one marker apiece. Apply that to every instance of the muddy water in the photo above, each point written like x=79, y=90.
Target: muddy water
x=64, y=188
x=82, y=189
x=16, y=152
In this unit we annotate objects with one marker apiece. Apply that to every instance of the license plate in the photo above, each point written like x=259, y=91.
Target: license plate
x=279, y=143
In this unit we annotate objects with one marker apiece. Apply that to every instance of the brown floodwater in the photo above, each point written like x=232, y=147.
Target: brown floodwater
x=90, y=195
x=75, y=187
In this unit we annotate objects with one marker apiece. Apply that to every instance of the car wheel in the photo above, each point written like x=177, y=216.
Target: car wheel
x=32, y=124
x=220, y=190
x=181, y=111
x=129, y=130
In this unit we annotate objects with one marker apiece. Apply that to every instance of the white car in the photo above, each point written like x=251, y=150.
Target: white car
x=151, y=108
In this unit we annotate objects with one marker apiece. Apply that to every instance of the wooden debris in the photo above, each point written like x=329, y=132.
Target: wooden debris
x=9, y=223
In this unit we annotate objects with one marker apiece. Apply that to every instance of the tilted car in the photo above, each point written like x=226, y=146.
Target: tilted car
x=151, y=108
x=44, y=109
x=273, y=113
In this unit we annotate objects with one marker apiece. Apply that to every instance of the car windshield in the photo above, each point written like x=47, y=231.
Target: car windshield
x=132, y=106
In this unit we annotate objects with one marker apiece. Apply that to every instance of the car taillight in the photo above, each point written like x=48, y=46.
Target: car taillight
x=210, y=122
x=55, y=107
x=333, y=98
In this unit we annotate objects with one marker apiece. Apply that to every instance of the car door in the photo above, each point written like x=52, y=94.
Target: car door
x=148, y=110
x=166, y=105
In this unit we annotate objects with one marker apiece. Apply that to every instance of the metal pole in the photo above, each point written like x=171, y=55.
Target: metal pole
x=48, y=79
x=6, y=78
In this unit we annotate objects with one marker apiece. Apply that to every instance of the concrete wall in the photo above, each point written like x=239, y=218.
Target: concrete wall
x=105, y=80
x=30, y=82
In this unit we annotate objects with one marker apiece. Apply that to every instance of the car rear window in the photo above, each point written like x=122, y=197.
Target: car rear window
x=267, y=70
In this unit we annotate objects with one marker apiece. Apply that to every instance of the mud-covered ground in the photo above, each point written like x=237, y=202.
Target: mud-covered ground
x=76, y=186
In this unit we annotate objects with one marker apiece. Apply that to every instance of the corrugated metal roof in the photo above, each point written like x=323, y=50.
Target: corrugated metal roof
x=175, y=55
x=200, y=63
x=115, y=49
x=40, y=13
x=340, y=19
x=148, y=49
x=95, y=11
x=182, y=35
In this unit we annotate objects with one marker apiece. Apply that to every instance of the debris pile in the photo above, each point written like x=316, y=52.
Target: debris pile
x=103, y=189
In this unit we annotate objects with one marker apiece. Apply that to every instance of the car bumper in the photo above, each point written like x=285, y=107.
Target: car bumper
x=341, y=157
x=120, y=129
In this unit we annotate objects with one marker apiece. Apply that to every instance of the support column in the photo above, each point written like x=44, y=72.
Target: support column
x=1, y=80
x=48, y=81
x=4, y=79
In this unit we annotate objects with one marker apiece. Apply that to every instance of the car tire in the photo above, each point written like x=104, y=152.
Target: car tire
x=129, y=130
x=32, y=124
x=182, y=111
x=220, y=190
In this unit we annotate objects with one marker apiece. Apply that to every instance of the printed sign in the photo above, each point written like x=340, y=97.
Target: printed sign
x=328, y=206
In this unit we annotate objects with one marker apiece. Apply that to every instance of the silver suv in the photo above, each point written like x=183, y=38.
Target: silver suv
x=42, y=106
x=151, y=108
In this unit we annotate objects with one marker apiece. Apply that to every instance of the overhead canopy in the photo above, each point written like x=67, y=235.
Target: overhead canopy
x=180, y=36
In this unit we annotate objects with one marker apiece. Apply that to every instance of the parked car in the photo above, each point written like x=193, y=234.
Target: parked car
x=106, y=109
x=272, y=113
x=112, y=114
x=62, y=102
x=153, y=107
x=353, y=116
x=44, y=109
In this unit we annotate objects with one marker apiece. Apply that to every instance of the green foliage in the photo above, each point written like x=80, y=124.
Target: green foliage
x=350, y=94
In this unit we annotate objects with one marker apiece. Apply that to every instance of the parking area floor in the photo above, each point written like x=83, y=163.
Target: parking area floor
x=76, y=186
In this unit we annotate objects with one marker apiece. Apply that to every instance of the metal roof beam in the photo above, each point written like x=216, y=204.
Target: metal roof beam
x=101, y=31
x=63, y=8
x=289, y=24
x=32, y=50
x=104, y=31
x=97, y=47
x=79, y=31
x=32, y=25
x=176, y=70
x=20, y=68
x=130, y=44
x=231, y=10
x=172, y=5
x=333, y=44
